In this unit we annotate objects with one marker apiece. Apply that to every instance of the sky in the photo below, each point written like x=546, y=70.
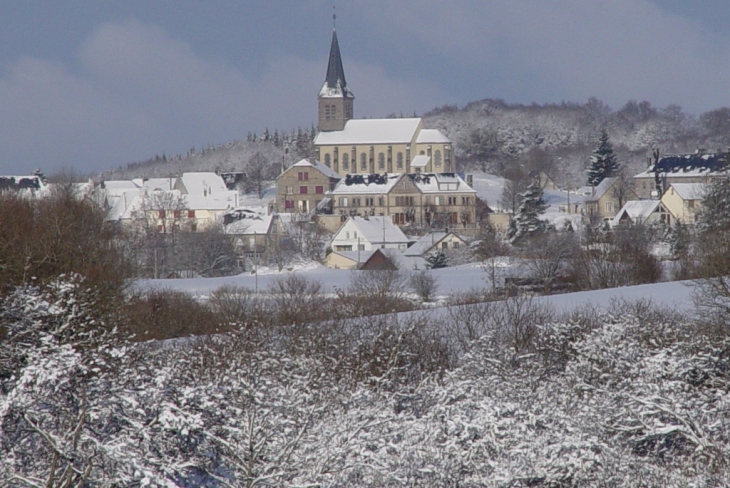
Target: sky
x=88, y=85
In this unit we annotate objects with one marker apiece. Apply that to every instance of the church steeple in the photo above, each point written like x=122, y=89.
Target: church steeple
x=335, y=98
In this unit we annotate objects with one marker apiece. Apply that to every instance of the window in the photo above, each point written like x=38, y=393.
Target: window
x=160, y=228
x=361, y=247
x=381, y=161
x=327, y=112
x=452, y=200
x=333, y=111
x=193, y=227
x=437, y=158
x=363, y=162
x=346, y=162
x=444, y=245
x=289, y=190
x=455, y=245
x=289, y=204
x=355, y=201
x=465, y=200
x=381, y=201
x=609, y=207
x=319, y=189
x=399, y=218
x=690, y=204
x=438, y=200
x=369, y=201
x=347, y=234
x=191, y=214
x=303, y=176
x=161, y=214
x=343, y=202
x=328, y=160
x=354, y=235
x=399, y=160
x=422, y=153
x=404, y=201
x=175, y=214
x=302, y=190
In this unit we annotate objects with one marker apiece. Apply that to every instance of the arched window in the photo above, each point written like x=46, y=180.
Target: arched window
x=346, y=162
x=381, y=161
x=328, y=160
x=399, y=160
x=437, y=158
x=363, y=162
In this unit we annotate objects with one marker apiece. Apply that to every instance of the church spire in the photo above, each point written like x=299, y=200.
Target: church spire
x=335, y=99
x=335, y=79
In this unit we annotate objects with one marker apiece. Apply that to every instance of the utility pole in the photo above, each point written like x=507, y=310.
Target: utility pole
x=256, y=264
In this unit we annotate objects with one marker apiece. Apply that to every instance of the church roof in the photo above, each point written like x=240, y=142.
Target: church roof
x=335, y=84
x=432, y=136
x=372, y=131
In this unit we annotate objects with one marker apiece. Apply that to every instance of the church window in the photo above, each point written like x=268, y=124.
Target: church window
x=327, y=112
x=399, y=160
x=328, y=160
x=422, y=153
x=437, y=158
x=381, y=161
x=333, y=111
x=363, y=162
x=346, y=162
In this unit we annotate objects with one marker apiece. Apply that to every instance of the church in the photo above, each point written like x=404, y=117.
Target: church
x=375, y=167
x=368, y=146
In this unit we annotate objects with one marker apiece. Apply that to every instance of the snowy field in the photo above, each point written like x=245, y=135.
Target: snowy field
x=671, y=295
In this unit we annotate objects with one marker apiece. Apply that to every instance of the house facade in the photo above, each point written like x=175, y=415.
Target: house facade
x=437, y=200
x=684, y=200
x=643, y=212
x=369, y=233
x=602, y=202
x=303, y=187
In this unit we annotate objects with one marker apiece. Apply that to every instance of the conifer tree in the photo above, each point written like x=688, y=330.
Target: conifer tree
x=436, y=260
x=603, y=162
x=526, y=221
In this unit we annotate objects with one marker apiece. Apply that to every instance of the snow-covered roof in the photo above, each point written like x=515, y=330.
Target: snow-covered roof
x=432, y=136
x=440, y=183
x=354, y=256
x=425, y=243
x=420, y=161
x=688, y=165
x=215, y=201
x=322, y=168
x=122, y=203
x=379, y=230
x=690, y=191
x=379, y=183
x=155, y=183
x=202, y=184
x=637, y=210
x=248, y=222
x=371, y=131
x=601, y=189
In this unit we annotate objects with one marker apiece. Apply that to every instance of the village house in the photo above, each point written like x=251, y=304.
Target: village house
x=444, y=241
x=368, y=233
x=190, y=202
x=684, y=200
x=251, y=230
x=302, y=187
x=699, y=167
x=602, y=202
x=438, y=200
x=643, y=212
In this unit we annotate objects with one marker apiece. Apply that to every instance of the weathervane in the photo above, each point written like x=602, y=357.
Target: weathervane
x=334, y=17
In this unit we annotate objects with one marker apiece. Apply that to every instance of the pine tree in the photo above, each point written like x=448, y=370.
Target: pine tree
x=527, y=220
x=436, y=260
x=603, y=162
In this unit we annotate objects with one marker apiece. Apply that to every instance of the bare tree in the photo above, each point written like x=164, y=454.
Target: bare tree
x=424, y=284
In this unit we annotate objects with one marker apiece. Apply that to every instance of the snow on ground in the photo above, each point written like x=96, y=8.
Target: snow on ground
x=673, y=295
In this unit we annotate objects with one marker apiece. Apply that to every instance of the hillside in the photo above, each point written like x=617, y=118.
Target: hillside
x=490, y=134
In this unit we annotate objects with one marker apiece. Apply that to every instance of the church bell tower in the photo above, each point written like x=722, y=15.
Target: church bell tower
x=335, y=99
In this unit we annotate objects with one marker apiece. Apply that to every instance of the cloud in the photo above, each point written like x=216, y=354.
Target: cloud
x=571, y=49
x=138, y=91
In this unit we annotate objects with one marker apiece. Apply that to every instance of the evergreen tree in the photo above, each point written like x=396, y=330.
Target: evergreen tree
x=436, y=260
x=715, y=214
x=603, y=161
x=526, y=221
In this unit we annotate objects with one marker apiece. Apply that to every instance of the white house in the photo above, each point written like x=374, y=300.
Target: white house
x=368, y=233
x=445, y=241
